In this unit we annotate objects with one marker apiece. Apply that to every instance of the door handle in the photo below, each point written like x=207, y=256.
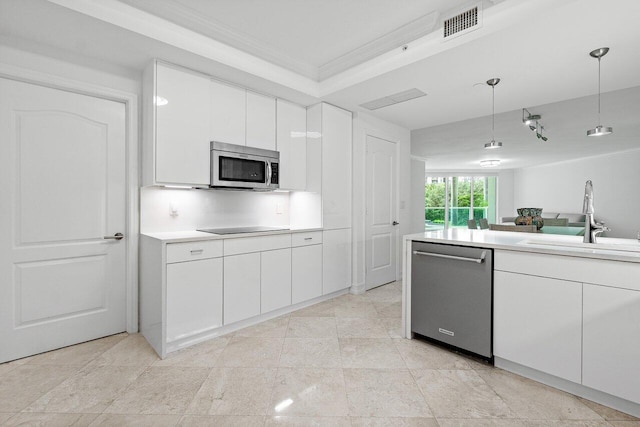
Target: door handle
x=454, y=257
x=395, y=223
x=117, y=236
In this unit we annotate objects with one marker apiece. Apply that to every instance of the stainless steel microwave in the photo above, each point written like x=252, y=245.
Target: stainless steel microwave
x=239, y=167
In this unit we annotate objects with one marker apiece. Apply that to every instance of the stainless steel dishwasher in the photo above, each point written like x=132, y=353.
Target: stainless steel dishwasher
x=451, y=295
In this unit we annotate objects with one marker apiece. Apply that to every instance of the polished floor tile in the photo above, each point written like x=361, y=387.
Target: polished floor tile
x=131, y=351
x=135, y=420
x=160, y=390
x=51, y=420
x=234, y=391
x=26, y=383
x=384, y=393
x=310, y=353
x=312, y=327
x=341, y=362
x=221, y=421
x=460, y=394
x=361, y=327
x=532, y=400
x=250, y=352
x=203, y=355
x=90, y=390
x=370, y=353
x=309, y=392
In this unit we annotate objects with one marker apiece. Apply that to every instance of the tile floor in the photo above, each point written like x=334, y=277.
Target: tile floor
x=337, y=363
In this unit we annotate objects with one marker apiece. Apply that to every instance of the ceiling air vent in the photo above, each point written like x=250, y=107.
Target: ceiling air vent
x=462, y=22
x=396, y=98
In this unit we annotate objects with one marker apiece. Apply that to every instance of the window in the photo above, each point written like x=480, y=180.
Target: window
x=450, y=201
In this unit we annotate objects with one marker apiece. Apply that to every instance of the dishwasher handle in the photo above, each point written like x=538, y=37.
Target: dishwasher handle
x=457, y=258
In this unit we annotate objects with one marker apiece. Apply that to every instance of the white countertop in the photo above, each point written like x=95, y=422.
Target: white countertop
x=627, y=250
x=192, y=235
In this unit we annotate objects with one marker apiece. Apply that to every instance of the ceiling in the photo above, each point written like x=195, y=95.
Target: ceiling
x=350, y=52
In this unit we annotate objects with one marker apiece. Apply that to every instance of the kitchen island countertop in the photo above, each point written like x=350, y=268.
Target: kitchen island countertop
x=627, y=250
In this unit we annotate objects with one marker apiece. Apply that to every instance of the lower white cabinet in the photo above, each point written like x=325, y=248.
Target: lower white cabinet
x=538, y=323
x=241, y=287
x=194, y=297
x=611, y=348
x=306, y=273
x=336, y=260
x=275, y=279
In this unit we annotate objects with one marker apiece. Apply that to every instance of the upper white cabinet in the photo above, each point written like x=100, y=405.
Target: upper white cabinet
x=331, y=128
x=242, y=117
x=182, y=112
x=291, y=142
x=228, y=112
x=261, y=121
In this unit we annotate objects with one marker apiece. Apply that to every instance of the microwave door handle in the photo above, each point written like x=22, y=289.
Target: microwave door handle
x=268, y=173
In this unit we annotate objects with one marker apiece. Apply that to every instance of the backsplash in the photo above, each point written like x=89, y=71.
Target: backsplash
x=195, y=209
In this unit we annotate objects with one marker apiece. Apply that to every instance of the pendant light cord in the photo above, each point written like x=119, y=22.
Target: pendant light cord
x=599, y=120
x=493, y=113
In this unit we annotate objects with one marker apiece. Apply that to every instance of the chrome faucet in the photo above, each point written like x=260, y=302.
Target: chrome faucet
x=592, y=228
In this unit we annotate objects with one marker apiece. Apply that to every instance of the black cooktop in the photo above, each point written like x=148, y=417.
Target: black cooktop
x=238, y=230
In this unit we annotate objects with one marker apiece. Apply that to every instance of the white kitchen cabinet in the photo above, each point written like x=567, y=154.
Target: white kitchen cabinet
x=306, y=272
x=228, y=113
x=261, y=121
x=336, y=260
x=291, y=142
x=182, y=114
x=241, y=287
x=538, y=323
x=194, y=297
x=275, y=279
x=336, y=167
x=611, y=341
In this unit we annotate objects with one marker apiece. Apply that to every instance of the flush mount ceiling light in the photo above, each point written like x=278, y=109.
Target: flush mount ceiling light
x=489, y=163
x=493, y=144
x=599, y=130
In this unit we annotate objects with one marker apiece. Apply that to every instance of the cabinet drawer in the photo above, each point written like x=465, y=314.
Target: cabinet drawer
x=245, y=245
x=304, y=239
x=189, y=251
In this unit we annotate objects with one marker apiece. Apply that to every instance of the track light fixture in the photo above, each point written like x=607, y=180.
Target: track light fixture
x=493, y=144
x=533, y=122
x=599, y=130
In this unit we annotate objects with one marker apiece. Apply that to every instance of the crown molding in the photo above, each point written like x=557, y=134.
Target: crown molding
x=388, y=42
x=189, y=18
x=140, y=22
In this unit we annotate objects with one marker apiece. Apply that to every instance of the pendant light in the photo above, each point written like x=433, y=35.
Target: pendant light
x=599, y=130
x=493, y=144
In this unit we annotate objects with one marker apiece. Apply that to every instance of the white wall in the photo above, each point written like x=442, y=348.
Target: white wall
x=210, y=209
x=559, y=187
x=82, y=70
x=506, y=205
x=363, y=125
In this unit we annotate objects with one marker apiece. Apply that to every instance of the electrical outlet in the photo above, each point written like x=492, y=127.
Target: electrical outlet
x=279, y=208
x=173, y=209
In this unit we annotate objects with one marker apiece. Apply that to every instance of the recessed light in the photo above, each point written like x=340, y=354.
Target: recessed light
x=489, y=163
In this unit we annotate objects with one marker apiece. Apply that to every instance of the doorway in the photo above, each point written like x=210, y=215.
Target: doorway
x=381, y=225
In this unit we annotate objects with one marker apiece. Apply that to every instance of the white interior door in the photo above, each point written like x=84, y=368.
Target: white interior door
x=381, y=225
x=62, y=168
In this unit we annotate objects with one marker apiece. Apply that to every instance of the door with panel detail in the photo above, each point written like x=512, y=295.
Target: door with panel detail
x=62, y=168
x=381, y=224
